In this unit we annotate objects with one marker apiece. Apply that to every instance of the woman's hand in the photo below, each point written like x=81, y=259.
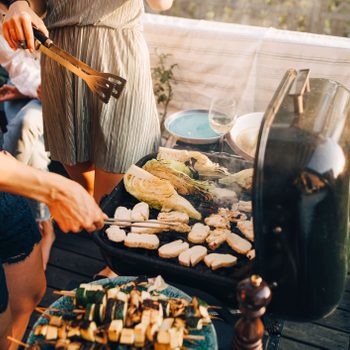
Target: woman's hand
x=17, y=25
x=160, y=5
x=10, y=92
x=73, y=208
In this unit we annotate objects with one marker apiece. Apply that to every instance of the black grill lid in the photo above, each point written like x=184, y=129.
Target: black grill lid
x=301, y=195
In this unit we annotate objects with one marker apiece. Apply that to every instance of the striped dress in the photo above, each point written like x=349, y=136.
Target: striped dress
x=78, y=127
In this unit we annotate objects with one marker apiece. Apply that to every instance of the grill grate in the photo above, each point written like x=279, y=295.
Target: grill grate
x=124, y=260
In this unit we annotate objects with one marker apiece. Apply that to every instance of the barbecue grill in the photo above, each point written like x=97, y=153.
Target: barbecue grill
x=300, y=206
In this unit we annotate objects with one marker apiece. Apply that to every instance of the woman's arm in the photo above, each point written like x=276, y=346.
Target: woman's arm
x=160, y=5
x=70, y=205
x=39, y=6
x=20, y=18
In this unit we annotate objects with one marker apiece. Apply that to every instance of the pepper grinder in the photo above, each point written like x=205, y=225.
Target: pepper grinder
x=253, y=296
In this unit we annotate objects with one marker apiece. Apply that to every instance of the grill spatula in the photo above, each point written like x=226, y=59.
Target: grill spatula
x=103, y=85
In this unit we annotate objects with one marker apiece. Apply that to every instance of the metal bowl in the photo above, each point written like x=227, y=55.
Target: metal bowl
x=191, y=126
x=244, y=134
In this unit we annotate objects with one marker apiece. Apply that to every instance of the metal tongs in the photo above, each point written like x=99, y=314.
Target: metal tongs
x=103, y=85
x=139, y=223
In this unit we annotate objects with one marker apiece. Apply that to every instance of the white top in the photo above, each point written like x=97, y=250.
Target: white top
x=22, y=67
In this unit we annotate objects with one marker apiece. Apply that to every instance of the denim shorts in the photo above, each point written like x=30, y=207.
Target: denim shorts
x=19, y=234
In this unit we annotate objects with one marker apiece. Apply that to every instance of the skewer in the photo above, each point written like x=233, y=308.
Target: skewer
x=192, y=342
x=18, y=342
x=42, y=310
x=215, y=318
x=194, y=337
x=66, y=293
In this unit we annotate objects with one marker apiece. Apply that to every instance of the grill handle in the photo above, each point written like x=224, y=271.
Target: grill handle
x=300, y=85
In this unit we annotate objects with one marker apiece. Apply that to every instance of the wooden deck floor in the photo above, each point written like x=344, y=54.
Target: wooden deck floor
x=76, y=258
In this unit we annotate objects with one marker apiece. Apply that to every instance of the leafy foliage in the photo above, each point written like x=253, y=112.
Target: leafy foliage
x=163, y=80
x=317, y=16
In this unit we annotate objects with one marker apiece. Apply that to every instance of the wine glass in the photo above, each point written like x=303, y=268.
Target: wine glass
x=222, y=116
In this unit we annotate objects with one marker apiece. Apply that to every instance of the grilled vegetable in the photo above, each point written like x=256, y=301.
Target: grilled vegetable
x=182, y=183
x=166, y=307
x=89, y=312
x=243, y=178
x=80, y=296
x=194, y=323
x=99, y=313
x=120, y=310
x=194, y=160
x=158, y=193
x=110, y=310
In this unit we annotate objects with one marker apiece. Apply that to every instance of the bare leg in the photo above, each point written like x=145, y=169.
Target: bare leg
x=84, y=174
x=26, y=284
x=48, y=237
x=105, y=183
x=5, y=328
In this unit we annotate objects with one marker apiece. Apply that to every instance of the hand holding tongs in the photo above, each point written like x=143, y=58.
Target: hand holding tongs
x=104, y=85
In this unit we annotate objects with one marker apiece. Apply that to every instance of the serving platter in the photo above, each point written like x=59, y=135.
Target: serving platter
x=191, y=126
x=66, y=303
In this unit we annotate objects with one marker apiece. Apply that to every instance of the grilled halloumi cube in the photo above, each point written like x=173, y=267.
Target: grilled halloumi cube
x=122, y=213
x=217, y=237
x=140, y=334
x=246, y=227
x=114, y=330
x=193, y=255
x=140, y=212
x=238, y=244
x=216, y=261
x=127, y=336
x=115, y=234
x=217, y=221
x=172, y=249
x=173, y=216
x=199, y=233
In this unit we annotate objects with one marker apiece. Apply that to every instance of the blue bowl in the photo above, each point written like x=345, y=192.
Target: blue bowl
x=191, y=126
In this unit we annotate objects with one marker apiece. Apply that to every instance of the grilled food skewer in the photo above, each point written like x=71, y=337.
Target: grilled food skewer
x=18, y=342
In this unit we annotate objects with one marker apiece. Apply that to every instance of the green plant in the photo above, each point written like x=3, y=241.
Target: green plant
x=163, y=80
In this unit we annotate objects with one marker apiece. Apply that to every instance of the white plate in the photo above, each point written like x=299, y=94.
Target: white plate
x=244, y=134
x=191, y=126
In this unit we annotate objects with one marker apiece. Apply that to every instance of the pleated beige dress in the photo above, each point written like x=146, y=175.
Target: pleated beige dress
x=107, y=35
